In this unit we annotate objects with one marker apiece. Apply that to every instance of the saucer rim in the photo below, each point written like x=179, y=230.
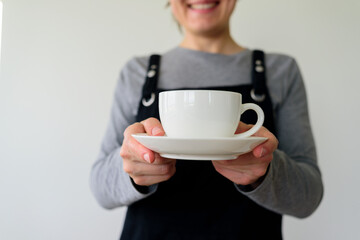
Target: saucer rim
x=145, y=135
x=196, y=155
x=200, y=157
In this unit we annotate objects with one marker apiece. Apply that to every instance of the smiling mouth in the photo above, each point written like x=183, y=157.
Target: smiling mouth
x=203, y=6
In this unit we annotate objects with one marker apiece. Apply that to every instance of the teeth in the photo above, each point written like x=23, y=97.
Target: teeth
x=203, y=5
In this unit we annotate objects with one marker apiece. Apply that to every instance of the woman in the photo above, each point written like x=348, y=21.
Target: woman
x=243, y=198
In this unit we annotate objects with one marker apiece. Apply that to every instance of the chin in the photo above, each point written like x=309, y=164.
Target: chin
x=207, y=28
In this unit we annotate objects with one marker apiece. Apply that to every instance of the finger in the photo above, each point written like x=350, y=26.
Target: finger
x=150, y=180
x=241, y=174
x=144, y=169
x=134, y=150
x=245, y=160
x=147, y=174
x=268, y=147
x=153, y=127
x=237, y=177
x=161, y=160
x=263, y=132
x=242, y=163
x=133, y=129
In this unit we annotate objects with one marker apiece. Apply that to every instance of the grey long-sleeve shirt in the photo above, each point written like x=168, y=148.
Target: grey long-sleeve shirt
x=293, y=184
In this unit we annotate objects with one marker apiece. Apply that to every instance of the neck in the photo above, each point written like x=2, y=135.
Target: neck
x=219, y=43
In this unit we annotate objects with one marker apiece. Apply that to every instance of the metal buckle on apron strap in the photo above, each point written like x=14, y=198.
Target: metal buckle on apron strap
x=257, y=97
x=150, y=74
x=258, y=77
x=150, y=101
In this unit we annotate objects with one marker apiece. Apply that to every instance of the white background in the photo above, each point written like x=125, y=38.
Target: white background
x=60, y=61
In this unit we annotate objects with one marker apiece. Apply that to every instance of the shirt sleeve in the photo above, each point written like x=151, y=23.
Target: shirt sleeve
x=110, y=184
x=293, y=184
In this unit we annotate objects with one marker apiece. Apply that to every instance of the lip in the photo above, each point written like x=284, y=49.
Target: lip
x=204, y=2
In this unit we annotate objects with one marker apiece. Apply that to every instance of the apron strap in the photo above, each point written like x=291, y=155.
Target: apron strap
x=150, y=85
x=258, y=93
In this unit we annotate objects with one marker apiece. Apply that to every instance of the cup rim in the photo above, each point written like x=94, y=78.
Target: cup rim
x=200, y=90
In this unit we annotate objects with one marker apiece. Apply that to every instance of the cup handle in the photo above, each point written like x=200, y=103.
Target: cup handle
x=259, y=122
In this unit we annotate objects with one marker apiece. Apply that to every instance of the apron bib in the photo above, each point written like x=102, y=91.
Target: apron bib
x=198, y=202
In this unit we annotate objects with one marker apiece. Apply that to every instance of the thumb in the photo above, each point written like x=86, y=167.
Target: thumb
x=153, y=127
x=242, y=127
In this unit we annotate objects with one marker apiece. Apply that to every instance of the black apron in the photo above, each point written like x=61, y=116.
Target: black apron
x=198, y=202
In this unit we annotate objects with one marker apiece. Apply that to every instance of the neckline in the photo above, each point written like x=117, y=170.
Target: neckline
x=209, y=54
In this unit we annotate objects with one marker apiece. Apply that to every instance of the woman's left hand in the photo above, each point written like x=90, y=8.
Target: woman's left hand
x=248, y=168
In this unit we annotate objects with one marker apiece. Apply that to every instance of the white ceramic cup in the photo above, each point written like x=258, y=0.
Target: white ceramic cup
x=204, y=114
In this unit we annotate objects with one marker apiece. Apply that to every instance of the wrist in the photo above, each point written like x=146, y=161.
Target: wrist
x=254, y=185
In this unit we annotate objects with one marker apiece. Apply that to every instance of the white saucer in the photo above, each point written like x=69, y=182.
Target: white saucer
x=199, y=149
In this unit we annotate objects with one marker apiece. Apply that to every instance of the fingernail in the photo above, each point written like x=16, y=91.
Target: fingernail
x=157, y=131
x=147, y=157
x=263, y=152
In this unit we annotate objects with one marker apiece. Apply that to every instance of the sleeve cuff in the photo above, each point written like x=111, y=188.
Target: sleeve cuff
x=144, y=189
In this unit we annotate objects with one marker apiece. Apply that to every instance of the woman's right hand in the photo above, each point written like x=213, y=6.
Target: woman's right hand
x=144, y=166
